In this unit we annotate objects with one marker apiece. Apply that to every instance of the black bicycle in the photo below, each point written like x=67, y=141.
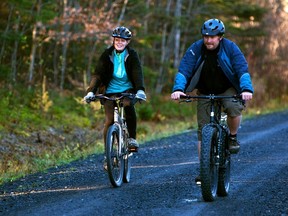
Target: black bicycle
x=215, y=158
x=118, y=155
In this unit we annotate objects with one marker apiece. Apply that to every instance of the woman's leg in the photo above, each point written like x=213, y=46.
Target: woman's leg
x=109, y=117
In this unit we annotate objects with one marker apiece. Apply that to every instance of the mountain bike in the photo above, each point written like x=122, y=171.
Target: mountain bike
x=118, y=155
x=215, y=158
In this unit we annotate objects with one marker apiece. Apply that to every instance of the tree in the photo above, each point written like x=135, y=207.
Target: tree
x=62, y=39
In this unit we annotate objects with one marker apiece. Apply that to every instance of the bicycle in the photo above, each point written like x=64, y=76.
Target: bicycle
x=118, y=155
x=215, y=158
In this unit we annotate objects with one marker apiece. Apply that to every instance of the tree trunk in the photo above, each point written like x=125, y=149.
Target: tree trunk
x=63, y=66
x=188, y=13
x=5, y=33
x=55, y=63
x=89, y=66
x=66, y=40
x=122, y=12
x=32, y=57
x=15, y=51
x=164, y=47
x=177, y=33
x=34, y=45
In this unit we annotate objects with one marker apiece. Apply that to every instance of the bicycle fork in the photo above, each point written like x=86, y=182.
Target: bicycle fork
x=218, y=133
x=118, y=123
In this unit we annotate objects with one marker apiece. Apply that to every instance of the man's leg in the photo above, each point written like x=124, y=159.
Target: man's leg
x=233, y=124
x=199, y=149
x=234, y=116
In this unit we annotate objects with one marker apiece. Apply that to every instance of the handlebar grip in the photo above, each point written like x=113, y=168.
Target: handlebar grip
x=184, y=97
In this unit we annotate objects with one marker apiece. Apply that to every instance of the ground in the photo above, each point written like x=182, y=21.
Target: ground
x=162, y=181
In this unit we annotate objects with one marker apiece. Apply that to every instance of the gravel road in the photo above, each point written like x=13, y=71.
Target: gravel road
x=162, y=181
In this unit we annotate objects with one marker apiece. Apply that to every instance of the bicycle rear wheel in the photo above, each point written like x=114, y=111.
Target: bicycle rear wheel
x=209, y=167
x=115, y=162
x=224, y=169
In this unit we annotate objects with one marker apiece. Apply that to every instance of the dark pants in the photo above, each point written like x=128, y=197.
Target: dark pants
x=230, y=107
x=130, y=115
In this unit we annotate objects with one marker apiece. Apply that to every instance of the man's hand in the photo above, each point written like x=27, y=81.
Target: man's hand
x=246, y=96
x=176, y=95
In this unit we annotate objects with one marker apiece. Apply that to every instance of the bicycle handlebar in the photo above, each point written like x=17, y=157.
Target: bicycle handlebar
x=211, y=97
x=118, y=97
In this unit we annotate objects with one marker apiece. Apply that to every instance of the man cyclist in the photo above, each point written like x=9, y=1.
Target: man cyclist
x=215, y=65
x=119, y=70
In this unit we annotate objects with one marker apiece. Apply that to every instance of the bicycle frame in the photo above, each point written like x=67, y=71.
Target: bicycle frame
x=215, y=156
x=118, y=121
x=116, y=149
x=215, y=121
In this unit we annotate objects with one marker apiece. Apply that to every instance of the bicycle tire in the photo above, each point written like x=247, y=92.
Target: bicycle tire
x=225, y=168
x=127, y=167
x=209, y=169
x=115, y=162
x=127, y=159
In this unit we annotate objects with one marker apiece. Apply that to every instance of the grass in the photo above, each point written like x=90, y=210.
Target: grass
x=42, y=130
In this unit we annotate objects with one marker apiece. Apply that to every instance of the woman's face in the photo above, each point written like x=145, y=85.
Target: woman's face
x=211, y=42
x=120, y=43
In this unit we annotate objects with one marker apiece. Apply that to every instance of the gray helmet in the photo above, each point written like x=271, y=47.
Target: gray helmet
x=122, y=32
x=213, y=27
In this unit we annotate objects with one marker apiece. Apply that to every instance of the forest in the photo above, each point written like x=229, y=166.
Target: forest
x=60, y=40
x=48, y=51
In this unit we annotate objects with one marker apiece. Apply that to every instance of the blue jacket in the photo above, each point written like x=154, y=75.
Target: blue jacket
x=231, y=61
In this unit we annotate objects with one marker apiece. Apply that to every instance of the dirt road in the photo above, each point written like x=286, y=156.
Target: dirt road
x=162, y=181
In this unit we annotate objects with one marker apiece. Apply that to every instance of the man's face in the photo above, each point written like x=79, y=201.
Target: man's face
x=211, y=42
x=120, y=43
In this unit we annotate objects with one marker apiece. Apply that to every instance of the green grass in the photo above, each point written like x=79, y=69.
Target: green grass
x=42, y=130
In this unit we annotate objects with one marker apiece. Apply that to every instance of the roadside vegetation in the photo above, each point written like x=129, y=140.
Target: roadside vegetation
x=43, y=129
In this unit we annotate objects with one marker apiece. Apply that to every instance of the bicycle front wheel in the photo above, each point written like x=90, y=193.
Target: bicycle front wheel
x=127, y=167
x=209, y=165
x=224, y=169
x=115, y=162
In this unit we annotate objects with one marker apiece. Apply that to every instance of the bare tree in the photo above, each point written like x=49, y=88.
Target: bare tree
x=164, y=52
x=15, y=51
x=11, y=8
x=65, y=40
x=122, y=12
x=177, y=32
x=34, y=45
